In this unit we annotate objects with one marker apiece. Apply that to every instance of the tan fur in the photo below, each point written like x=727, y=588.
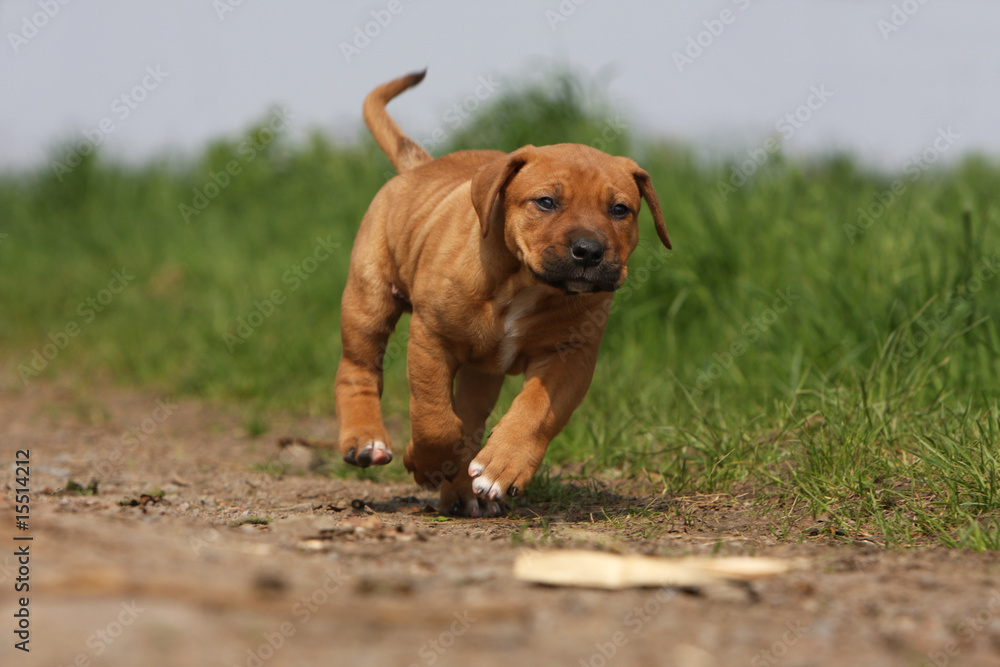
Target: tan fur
x=404, y=153
x=490, y=276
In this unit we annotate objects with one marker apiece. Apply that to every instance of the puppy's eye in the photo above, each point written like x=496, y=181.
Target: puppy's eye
x=620, y=210
x=546, y=203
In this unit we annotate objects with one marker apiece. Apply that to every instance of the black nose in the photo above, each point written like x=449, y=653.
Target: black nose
x=587, y=252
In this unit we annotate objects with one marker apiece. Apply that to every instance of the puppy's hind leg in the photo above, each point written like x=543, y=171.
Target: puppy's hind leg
x=369, y=312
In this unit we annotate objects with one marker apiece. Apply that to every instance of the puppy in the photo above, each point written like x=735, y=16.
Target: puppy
x=506, y=262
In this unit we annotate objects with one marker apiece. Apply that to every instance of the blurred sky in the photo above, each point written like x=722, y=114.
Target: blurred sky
x=880, y=90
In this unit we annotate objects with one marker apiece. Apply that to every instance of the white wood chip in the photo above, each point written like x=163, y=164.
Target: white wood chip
x=596, y=569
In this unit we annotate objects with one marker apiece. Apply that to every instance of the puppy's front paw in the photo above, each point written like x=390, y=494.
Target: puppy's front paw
x=494, y=476
x=372, y=452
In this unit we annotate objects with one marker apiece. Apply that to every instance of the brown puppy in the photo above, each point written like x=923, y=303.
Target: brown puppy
x=500, y=258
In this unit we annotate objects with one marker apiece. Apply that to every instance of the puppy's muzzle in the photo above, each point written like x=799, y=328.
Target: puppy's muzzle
x=582, y=265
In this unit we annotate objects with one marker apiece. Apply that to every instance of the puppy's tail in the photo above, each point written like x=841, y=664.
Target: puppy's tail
x=403, y=152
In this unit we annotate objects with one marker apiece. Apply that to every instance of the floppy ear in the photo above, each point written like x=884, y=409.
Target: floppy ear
x=645, y=185
x=488, y=183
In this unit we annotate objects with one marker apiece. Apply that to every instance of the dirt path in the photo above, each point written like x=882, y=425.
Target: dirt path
x=178, y=582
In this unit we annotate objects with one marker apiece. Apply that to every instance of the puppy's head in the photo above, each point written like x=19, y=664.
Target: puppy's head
x=568, y=213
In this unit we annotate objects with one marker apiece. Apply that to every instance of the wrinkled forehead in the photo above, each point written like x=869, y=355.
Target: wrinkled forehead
x=571, y=169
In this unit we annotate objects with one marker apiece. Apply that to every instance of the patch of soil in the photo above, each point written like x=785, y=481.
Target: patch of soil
x=193, y=550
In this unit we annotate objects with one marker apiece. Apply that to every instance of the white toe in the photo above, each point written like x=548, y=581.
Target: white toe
x=482, y=486
x=379, y=452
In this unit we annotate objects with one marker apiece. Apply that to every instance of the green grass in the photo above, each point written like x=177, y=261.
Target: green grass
x=253, y=521
x=829, y=364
